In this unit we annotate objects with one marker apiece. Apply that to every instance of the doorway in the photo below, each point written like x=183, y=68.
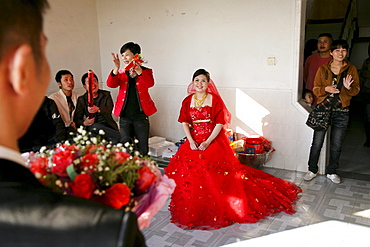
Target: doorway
x=355, y=158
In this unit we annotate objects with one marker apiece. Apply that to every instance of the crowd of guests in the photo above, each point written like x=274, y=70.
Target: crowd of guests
x=64, y=111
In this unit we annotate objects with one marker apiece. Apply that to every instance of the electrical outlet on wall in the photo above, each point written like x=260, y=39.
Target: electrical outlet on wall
x=271, y=61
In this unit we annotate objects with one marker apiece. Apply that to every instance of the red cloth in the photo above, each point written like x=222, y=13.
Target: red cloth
x=213, y=189
x=217, y=116
x=143, y=83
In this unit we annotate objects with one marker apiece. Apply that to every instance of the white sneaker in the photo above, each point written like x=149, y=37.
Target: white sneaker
x=334, y=178
x=309, y=176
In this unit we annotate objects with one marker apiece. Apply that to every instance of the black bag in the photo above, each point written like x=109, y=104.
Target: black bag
x=319, y=118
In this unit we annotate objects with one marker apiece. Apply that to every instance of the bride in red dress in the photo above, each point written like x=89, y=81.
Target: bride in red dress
x=213, y=189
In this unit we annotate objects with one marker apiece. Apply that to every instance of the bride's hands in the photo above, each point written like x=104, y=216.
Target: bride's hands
x=193, y=145
x=203, y=146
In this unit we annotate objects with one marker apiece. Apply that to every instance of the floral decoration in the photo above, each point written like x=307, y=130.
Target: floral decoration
x=113, y=175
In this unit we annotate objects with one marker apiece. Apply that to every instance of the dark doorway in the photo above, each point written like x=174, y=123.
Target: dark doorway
x=355, y=158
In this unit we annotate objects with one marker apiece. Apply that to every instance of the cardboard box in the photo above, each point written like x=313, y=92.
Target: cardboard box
x=157, y=149
x=156, y=139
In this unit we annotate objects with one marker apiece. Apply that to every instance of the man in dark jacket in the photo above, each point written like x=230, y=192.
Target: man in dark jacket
x=47, y=128
x=98, y=117
x=30, y=214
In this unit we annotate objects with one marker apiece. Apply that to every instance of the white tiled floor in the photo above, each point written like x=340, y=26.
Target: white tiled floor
x=321, y=202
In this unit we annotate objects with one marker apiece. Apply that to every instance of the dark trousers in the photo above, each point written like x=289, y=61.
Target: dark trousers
x=132, y=129
x=109, y=133
x=338, y=131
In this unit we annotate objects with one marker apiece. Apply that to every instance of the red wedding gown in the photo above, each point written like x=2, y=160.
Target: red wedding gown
x=213, y=189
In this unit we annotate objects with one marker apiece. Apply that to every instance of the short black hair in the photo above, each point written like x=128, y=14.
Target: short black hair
x=305, y=92
x=339, y=43
x=202, y=72
x=326, y=35
x=134, y=48
x=60, y=73
x=21, y=22
x=83, y=78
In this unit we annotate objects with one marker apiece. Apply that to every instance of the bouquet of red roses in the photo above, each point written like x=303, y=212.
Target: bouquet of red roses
x=94, y=169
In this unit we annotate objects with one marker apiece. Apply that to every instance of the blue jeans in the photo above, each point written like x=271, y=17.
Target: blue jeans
x=339, y=123
x=132, y=129
x=110, y=134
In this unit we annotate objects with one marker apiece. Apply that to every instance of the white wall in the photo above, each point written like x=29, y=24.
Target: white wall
x=232, y=39
x=73, y=39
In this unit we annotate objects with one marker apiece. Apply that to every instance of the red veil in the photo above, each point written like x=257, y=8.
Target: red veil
x=213, y=90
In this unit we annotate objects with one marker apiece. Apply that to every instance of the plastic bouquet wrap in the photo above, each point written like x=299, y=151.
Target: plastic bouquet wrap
x=94, y=169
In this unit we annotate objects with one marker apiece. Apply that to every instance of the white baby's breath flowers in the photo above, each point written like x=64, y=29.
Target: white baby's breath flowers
x=94, y=140
x=136, y=141
x=127, y=144
x=101, y=132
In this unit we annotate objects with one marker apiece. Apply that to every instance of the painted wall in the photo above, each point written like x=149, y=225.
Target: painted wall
x=73, y=39
x=234, y=40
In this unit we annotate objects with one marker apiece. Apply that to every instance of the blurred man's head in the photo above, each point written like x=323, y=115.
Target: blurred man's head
x=24, y=70
x=20, y=21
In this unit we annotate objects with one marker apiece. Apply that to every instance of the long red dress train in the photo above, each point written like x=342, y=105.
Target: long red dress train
x=213, y=189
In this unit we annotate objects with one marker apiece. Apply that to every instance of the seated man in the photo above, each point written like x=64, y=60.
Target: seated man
x=47, y=128
x=30, y=214
x=66, y=98
x=101, y=111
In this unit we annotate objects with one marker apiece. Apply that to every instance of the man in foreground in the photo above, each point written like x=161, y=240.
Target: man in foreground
x=31, y=215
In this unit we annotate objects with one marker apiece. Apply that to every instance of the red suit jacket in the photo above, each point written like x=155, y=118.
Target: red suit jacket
x=143, y=83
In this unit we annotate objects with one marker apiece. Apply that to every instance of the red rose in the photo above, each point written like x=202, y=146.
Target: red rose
x=116, y=196
x=61, y=160
x=82, y=186
x=89, y=161
x=146, y=179
x=121, y=157
x=39, y=167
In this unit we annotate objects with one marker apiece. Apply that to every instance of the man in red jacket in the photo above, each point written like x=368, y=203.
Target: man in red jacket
x=134, y=104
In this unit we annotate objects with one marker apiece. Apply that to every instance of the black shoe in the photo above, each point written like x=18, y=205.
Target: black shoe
x=367, y=143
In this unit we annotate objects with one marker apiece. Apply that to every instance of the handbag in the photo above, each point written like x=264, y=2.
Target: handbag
x=319, y=117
